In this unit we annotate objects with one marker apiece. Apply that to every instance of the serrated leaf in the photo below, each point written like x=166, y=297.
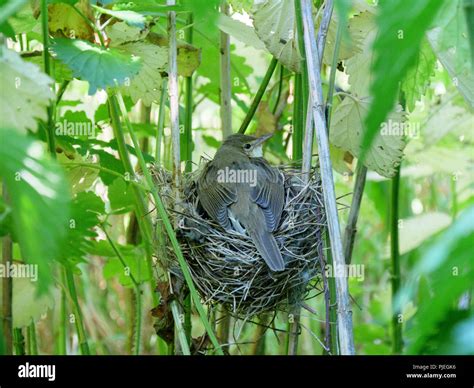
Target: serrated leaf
x=361, y=28
x=450, y=42
x=64, y=21
x=347, y=131
x=396, y=46
x=120, y=33
x=417, y=78
x=110, y=65
x=40, y=200
x=240, y=31
x=25, y=92
x=275, y=25
x=85, y=210
x=27, y=305
x=146, y=85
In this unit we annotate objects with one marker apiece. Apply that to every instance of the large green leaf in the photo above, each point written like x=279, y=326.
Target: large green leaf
x=40, y=200
x=101, y=67
x=347, y=131
x=417, y=78
x=240, y=31
x=450, y=42
x=275, y=25
x=25, y=92
x=396, y=47
x=449, y=266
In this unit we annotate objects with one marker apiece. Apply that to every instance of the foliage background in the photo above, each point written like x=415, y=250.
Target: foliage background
x=74, y=216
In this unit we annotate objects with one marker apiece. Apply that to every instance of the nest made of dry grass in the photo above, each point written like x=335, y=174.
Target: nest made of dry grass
x=226, y=266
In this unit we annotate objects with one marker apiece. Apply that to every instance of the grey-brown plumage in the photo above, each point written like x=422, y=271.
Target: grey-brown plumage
x=240, y=190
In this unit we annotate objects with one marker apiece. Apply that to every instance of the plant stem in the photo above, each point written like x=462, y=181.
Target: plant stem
x=78, y=318
x=188, y=120
x=7, y=289
x=169, y=229
x=161, y=121
x=138, y=293
x=397, y=344
x=32, y=344
x=345, y=333
x=280, y=88
x=298, y=119
x=174, y=98
x=62, y=330
x=454, y=198
x=19, y=341
x=258, y=96
x=47, y=69
x=351, y=227
x=225, y=81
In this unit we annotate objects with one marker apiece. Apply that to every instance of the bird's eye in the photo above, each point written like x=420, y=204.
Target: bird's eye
x=247, y=146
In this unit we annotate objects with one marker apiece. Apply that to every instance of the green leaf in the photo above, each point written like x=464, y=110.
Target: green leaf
x=450, y=42
x=120, y=32
x=65, y=21
x=40, y=200
x=121, y=196
x=85, y=210
x=132, y=18
x=9, y=8
x=417, y=78
x=27, y=305
x=347, y=131
x=358, y=67
x=240, y=31
x=275, y=25
x=448, y=264
x=110, y=65
x=415, y=230
x=396, y=47
x=146, y=85
x=26, y=92
x=135, y=265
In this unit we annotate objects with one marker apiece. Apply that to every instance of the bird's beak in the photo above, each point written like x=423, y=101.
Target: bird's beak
x=261, y=139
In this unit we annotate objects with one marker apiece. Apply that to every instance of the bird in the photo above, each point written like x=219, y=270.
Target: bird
x=241, y=191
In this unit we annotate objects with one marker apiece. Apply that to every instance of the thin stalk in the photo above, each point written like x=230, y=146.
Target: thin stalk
x=298, y=121
x=78, y=318
x=225, y=81
x=280, y=88
x=182, y=337
x=259, y=95
x=397, y=339
x=454, y=198
x=351, y=227
x=7, y=289
x=332, y=75
x=138, y=293
x=90, y=23
x=62, y=329
x=47, y=69
x=344, y=313
x=188, y=157
x=174, y=98
x=188, y=105
x=141, y=209
x=32, y=343
x=19, y=341
x=169, y=229
x=161, y=120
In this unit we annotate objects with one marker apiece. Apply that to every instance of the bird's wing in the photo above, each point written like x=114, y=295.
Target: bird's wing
x=269, y=192
x=215, y=197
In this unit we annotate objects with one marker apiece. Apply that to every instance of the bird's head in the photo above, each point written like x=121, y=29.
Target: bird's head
x=250, y=145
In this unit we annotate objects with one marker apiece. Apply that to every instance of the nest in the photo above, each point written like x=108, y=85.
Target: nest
x=226, y=266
